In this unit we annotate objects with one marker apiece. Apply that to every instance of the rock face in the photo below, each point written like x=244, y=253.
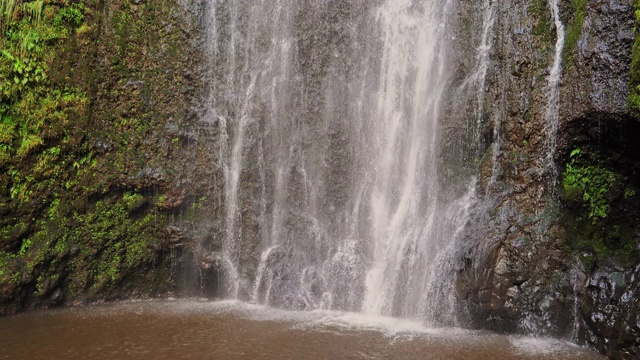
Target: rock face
x=536, y=269
x=84, y=210
x=135, y=206
x=537, y=260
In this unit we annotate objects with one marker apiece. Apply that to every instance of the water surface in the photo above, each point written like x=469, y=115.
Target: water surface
x=234, y=330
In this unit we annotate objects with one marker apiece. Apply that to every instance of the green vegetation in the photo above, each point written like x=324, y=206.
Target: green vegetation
x=31, y=10
x=602, y=227
x=634, y=81
x=31, y=109
x=78, y=131
x=543, y=28
x=574, y=31
x=591, y=181
x=38, y=132
x=599, y=245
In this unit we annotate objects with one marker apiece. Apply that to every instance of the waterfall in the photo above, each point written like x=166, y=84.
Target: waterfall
x=553, y=102
x=489, y=19
x=237, y=74
x=330, y=117
x=476, y=83
x=478, y=78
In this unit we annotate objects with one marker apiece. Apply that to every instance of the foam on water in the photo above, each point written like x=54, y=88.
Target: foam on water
x=308, y=320
x=196, y=328
x=319, y=320
x=543, y=346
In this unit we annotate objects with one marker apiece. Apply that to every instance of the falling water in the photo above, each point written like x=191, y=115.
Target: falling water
x=553, y=102
x=330, y=118
x=577, y=283
x=489, y=19
x=476, y=83
x=235, y=70
x=478, y=78
x=404, y=199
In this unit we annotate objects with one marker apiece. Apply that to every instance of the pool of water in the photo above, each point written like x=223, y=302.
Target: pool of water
x=192, y=329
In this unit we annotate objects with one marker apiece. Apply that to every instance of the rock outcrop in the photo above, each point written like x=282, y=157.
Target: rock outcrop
x=548, y=263
x=92, y=160
x=119, y=194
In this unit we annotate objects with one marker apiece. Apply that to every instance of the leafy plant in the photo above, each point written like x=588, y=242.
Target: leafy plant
x=73, y=14
x=7, y=9
x=33, y=9
x=26, y=244
x=132, y=200
x=53, y=209
x=592, y=181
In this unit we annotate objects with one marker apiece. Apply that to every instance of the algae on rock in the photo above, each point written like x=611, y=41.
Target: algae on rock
x=86, y=89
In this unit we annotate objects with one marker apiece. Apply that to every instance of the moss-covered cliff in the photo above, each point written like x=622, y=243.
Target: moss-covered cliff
x=559, y=253
x=102, y=153
x=94, y=96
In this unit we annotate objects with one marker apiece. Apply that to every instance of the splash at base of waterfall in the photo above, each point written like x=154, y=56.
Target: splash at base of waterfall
x=232, y=330
x=330, y=144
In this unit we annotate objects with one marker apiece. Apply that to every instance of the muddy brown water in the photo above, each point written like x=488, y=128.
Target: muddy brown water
x=232, y=330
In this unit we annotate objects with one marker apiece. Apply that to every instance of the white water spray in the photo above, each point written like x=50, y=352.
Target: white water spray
x=344, y=124
x=476, y=82
x=405, y=194
x=553, y=103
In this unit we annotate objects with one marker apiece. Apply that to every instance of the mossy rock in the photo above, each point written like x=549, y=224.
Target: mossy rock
x=571, y=193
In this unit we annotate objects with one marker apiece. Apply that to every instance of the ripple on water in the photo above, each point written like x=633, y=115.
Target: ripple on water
x=198, y=329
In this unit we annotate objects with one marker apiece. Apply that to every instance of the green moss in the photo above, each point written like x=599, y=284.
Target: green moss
x=600, y=245
x=543, y=28
x=633, y=100
x=133, y=201
x=574, y=31
x=110, y=242
x=602, y=227
x=629, y=193
x=4, y=271
x=78, y=215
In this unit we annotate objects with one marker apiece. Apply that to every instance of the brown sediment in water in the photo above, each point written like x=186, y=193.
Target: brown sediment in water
x=202, y=330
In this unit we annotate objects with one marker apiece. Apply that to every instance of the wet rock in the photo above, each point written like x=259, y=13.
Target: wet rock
x=101, y=146
x=156, y=174
x=534, y=276
x=175, y=234
x=56, y=297
x=117, y=146
x=209, y=260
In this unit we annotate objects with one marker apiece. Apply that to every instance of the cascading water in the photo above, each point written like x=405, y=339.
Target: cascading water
x=553, y=103
x=477, y=80
x=330, y=118
x=476, y=84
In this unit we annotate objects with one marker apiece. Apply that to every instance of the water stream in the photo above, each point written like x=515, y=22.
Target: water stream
x=553, y=102
x=330, y=124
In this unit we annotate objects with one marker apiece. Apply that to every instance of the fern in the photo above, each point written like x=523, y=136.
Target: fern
x=593, y=180
x=33, y=10
x=29, y=9
x=7, y=10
